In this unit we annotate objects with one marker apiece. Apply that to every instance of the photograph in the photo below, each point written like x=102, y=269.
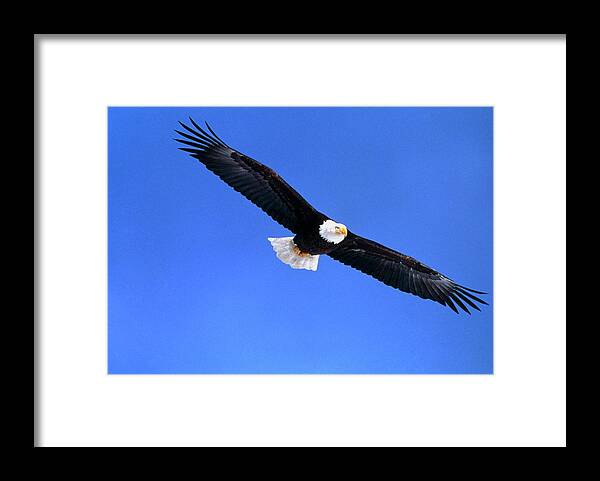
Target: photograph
x=300, y=240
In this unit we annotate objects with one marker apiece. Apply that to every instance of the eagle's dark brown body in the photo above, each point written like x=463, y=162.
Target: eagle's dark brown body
x=311, y=242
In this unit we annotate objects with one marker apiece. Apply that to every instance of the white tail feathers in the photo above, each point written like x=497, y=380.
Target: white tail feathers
x=288, y=253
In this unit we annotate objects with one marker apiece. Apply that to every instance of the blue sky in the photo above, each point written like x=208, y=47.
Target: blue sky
x=194, y=286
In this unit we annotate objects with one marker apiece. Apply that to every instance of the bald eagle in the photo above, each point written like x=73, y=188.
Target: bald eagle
x=315, y=233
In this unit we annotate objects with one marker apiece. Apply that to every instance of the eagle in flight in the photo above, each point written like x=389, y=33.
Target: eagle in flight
x=315, y=233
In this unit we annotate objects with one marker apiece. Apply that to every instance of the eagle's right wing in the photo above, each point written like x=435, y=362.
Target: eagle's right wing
x=403, y=272
x=255, y=181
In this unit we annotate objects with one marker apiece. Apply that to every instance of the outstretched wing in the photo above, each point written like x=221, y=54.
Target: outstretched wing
x=255, y=181
x=403, y=272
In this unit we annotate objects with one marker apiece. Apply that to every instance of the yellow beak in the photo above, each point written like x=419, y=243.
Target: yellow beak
x=343, y=230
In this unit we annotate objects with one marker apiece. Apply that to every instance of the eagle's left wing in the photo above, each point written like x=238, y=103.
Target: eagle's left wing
x=403, y=272
x=260, y=184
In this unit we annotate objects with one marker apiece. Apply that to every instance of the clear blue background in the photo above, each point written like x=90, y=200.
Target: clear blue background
x=194, y=286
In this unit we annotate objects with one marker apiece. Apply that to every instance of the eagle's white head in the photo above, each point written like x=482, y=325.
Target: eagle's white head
x=333, y=231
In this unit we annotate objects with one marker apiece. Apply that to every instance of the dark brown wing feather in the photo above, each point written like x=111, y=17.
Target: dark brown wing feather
x=404, y=273
x=255, y=181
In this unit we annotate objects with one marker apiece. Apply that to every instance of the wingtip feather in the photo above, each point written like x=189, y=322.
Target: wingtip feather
x=451, y=305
